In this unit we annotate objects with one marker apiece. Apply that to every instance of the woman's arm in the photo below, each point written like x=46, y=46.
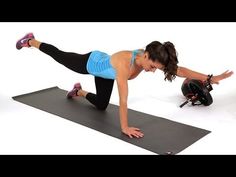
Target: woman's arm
x=122, y=84
x=123, y=95
x=187, y=73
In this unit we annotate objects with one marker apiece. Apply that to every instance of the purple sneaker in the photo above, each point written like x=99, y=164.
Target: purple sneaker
x=74, y=91
x=23, y=42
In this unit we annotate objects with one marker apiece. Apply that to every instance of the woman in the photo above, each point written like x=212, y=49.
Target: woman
x=121, y=66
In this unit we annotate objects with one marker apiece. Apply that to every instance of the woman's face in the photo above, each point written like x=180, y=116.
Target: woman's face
x=149, y=65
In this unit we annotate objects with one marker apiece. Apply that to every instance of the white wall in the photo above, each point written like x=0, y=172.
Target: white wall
x=204, y=47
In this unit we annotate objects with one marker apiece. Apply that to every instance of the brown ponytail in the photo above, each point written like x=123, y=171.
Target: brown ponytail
x=166, y=55
x=171, y=66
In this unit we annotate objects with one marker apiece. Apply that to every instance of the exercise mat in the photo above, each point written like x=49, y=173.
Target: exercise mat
x=161, y=136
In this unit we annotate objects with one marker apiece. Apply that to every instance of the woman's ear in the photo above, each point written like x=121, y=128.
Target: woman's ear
x=146, y=55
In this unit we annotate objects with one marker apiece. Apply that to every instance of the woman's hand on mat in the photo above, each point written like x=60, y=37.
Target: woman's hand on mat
x=133, y=132
x=224, y=75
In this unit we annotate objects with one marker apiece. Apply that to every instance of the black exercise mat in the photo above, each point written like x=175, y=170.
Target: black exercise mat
x=160, y=135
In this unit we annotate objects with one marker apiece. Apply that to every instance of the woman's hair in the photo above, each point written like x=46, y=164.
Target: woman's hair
x=166, y=55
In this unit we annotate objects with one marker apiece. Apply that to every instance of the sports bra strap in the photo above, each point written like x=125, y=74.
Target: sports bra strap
x=134, y=53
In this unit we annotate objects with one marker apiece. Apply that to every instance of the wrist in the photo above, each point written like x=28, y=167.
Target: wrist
x=123, y=128
x=209, y=77
x=208, y=82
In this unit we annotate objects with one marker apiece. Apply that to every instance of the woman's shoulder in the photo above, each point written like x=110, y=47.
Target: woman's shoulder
x=130, y=52
x=123, y=53
x=138, y=50
x=127, y=53
x=122, y=57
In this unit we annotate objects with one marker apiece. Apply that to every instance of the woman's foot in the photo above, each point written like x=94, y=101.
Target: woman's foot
x=24, y=41
x=73, y=92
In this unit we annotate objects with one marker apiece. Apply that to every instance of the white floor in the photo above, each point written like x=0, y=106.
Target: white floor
x=204, y=47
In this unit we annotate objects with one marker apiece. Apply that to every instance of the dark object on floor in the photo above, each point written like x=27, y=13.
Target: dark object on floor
x=160, y=135
x=197, y=92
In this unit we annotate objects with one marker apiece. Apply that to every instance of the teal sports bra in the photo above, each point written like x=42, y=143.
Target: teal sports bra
x=99, y=64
